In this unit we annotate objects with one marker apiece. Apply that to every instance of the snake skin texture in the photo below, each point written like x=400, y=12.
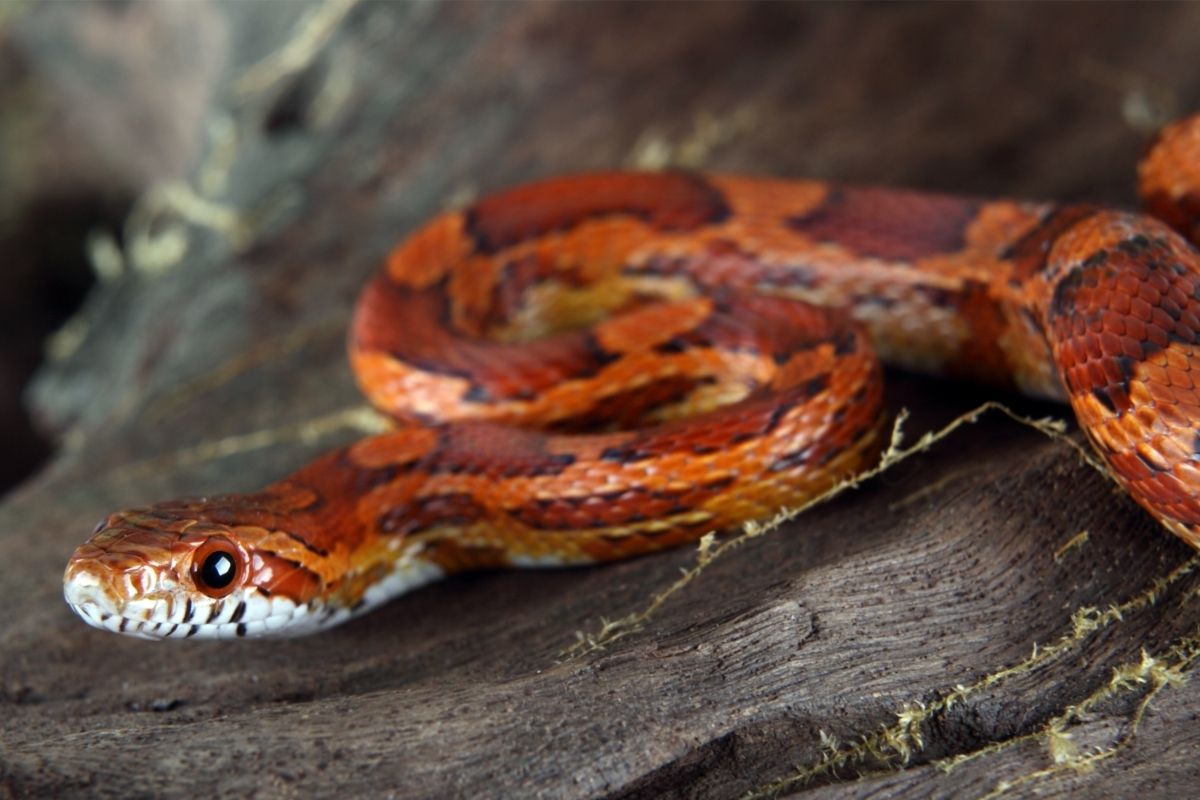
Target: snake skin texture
x=593, y=367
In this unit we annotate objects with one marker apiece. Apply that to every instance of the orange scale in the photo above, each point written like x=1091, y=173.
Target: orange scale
x=1131, y=348
x=1177, y=358
x=1114, y=437
x=1111, y=344
x=1189, y=411
x=1179, y=494
x=1094, y=374
x=1179, y=378
x=1170, y=417
x=1151, y=490
x=1127, y=286
x=1075, y=377
x=1188, y=473
x=1073, y=352
x=1113, y=323
x=1113, y=374
x=1158, y=281
x=1177, y=295
x=1161, y=396
x=1135, y=328
x=1140, y=308
x=1176, y=451
x=1153, y=453
x=1158, y=337
x=1144, y=402
x=1129, y=467
x=1162, y=319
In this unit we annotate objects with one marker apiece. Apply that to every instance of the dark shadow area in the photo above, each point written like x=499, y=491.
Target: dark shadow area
x=45, y=278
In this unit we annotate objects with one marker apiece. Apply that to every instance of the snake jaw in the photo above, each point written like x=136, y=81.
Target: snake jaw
x=99, y=598
x=171, y=611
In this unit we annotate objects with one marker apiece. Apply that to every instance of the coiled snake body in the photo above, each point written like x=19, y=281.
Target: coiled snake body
x=719, y=333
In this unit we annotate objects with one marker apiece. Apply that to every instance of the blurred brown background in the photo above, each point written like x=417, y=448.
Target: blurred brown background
x=226, y=175
x=99, y=102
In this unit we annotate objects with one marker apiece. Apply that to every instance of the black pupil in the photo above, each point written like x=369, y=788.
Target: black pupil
x=218, y=570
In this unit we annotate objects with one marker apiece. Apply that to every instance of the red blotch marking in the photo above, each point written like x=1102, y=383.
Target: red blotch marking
x=413, y=326
x=498, y=451
x=609, y=509
x=624, y=410
x=1029, y=253
x=1118, y=307
x=749, y=419
x=888, y=224
x=422, y=513
x=668, y=201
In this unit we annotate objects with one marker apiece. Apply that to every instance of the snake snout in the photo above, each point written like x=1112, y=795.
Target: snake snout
x=91, y=597
x=84, y=592
x=119, y=585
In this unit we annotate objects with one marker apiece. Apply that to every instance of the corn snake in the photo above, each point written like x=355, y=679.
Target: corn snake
x=594, y=367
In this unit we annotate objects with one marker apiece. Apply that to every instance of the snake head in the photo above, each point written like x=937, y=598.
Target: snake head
x=156, y=573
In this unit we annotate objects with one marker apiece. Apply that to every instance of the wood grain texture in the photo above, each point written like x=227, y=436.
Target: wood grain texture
x=809, y=649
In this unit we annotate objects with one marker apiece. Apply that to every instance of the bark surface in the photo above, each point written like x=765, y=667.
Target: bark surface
x=990, y=617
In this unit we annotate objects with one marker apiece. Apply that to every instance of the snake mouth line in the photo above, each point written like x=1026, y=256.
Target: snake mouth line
x=168, y=617
x=286, y=619
x=141, y=628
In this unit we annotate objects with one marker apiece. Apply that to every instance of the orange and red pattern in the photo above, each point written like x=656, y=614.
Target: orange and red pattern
x=597, y=366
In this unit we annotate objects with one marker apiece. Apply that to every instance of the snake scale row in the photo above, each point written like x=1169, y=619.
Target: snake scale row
x=592, y=367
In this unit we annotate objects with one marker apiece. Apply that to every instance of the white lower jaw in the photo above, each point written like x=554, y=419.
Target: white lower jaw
x=283, y=619
x=247, y=614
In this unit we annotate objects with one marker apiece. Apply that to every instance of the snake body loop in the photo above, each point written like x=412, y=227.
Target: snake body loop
x=598, y=366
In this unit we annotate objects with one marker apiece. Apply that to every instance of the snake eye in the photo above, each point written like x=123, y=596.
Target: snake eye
x=217, y=567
